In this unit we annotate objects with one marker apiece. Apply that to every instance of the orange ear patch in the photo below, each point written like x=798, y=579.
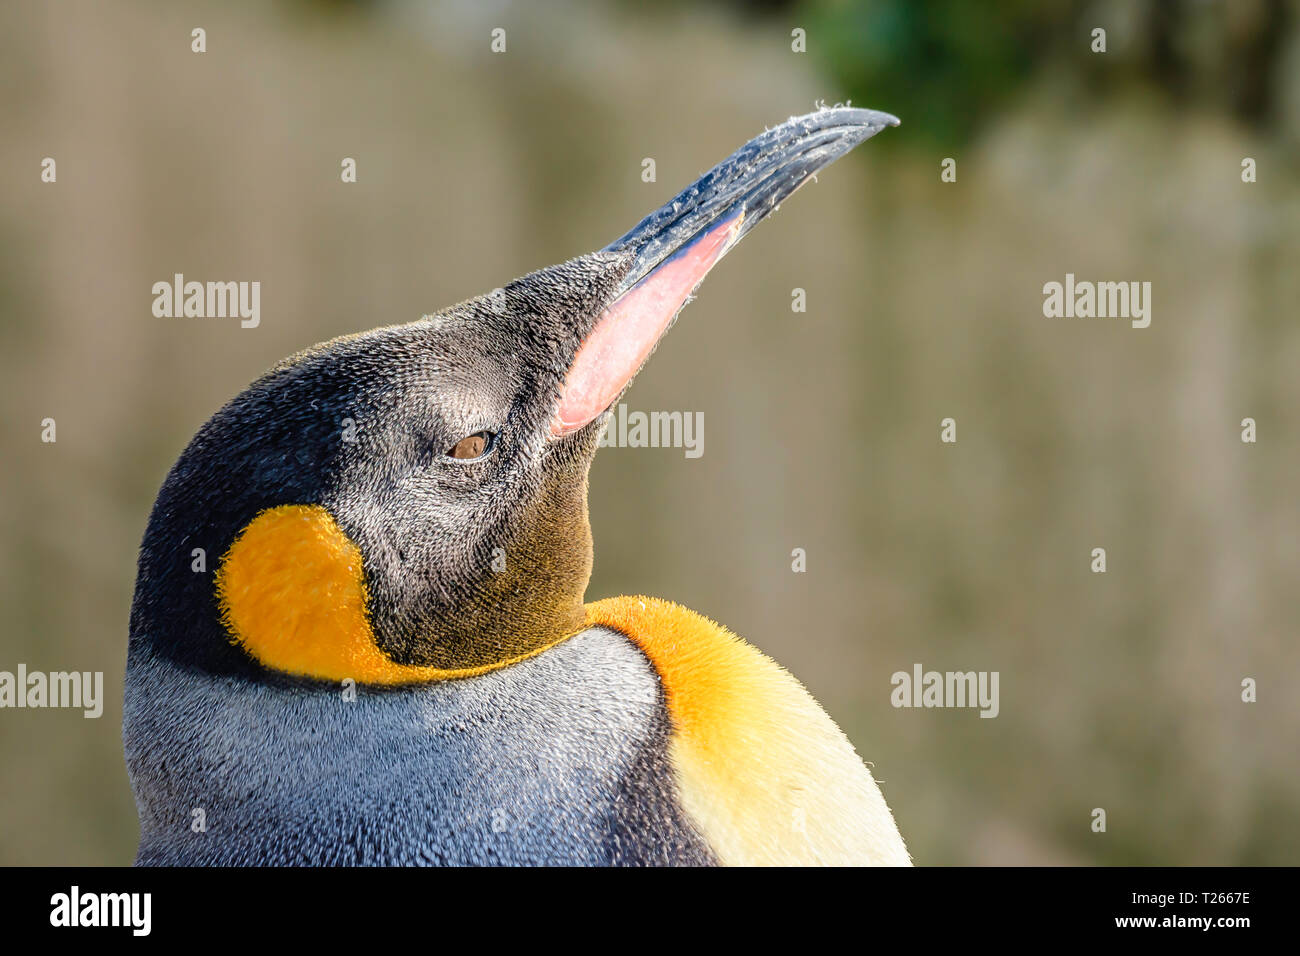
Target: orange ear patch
x=292, y=592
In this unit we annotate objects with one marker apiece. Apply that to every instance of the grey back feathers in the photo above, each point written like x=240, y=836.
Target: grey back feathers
x=560, y=759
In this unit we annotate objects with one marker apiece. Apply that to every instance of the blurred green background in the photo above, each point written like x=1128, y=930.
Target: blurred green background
x=1119, y=691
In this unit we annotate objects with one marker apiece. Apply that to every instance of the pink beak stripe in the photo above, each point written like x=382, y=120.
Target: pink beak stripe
x=626, y=333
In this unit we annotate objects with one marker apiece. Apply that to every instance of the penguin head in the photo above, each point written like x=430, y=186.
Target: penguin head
x=409, y=504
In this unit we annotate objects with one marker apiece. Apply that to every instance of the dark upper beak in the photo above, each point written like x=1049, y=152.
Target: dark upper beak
x=751, y=182
x=675, y=246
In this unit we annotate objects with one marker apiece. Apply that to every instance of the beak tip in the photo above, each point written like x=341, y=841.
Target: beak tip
x=876, y=120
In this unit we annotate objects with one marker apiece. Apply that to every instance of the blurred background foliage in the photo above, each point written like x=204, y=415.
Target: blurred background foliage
x=821, y=428
x=955, y=65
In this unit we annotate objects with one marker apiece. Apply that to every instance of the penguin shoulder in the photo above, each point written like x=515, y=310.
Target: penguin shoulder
x=762, y=769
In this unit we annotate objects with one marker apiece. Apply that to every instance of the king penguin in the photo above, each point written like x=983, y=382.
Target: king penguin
x=391, y=661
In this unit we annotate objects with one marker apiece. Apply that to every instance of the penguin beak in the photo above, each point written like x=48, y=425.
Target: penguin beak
x=674, y=247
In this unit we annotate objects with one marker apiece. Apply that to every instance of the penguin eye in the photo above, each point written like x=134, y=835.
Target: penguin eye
x=472, y=446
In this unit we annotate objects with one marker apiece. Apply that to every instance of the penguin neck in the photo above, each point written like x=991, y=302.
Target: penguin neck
x=531, y=600
x=532, y=597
